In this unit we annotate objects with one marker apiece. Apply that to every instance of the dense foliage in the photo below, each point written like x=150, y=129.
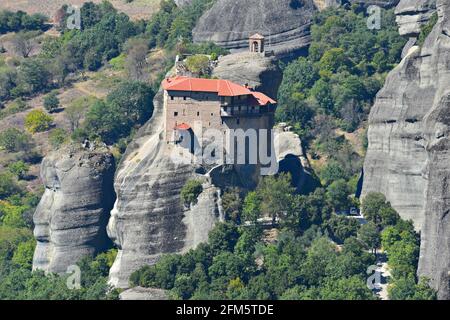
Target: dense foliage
x=317, y=254
x=17, y=21
x=344, y=69
x=129, y=106
x=173, y=25
x=190, y=191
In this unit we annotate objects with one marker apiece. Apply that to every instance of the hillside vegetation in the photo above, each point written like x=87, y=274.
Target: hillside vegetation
x=96, y=83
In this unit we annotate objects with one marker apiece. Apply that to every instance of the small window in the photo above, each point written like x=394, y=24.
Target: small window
x=171, y=98
x=175, y=114
x=222, y=122
x=198, y=114
x=237, y=121
x=184, y=98
x=209, y=124
x=212, y=114
x=184, y=112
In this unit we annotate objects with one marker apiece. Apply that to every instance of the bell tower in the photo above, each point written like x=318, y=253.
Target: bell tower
x=256, y=43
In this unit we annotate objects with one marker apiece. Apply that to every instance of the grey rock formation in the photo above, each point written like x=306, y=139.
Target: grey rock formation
x=291, y=158
x=434, y=261
x=413, y=14
x=285, y=24
x=139, y=293
x=408, y=155
x=260, y=73
x=148, y=218
x=71, y=218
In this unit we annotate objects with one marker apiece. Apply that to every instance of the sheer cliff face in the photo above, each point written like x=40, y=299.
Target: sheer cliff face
x=408, y=155
x=148, y=218
x=434, y=260
x=412, y=14
x=285, y=24
x=70, y=221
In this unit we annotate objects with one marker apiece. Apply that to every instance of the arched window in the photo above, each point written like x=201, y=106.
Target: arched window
x=255, y=46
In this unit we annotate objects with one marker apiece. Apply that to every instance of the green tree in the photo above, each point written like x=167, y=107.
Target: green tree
x=14, y=140
x=190, y=192
x=332, y=171
x=34, y=75
x=338, y=195
x=12, y=215
x=403, y=257
x=23, y=256
x=341, y=228
x=37, y=121
x=252, y=207
x=276, y=196
x=322, y=92
x=8, y=185
x=405, y=288
x=369, y=234
x=223, y=237
x=77, y=109
x=198, y=64
x=352, y=288
x=19, y=169
x=232, y=204
x=57, y=137
x=375, y=208
x=321, y=254
x=128, y=106
x=51, y=101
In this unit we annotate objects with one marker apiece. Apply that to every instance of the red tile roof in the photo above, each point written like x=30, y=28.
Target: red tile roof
x=262, y=98
x=224, y=88
x=257, y=36
x=183, y=126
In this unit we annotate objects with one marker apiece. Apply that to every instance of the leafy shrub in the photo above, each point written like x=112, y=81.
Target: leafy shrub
x=51, y=101
x=198, y=64
x=8, y=185
x=16, y=106
x=57, y=137
x=23, y=255
x=190, y=191
x=19, y=169
x=14, y=140
x=426, y=29
x=38, y=121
